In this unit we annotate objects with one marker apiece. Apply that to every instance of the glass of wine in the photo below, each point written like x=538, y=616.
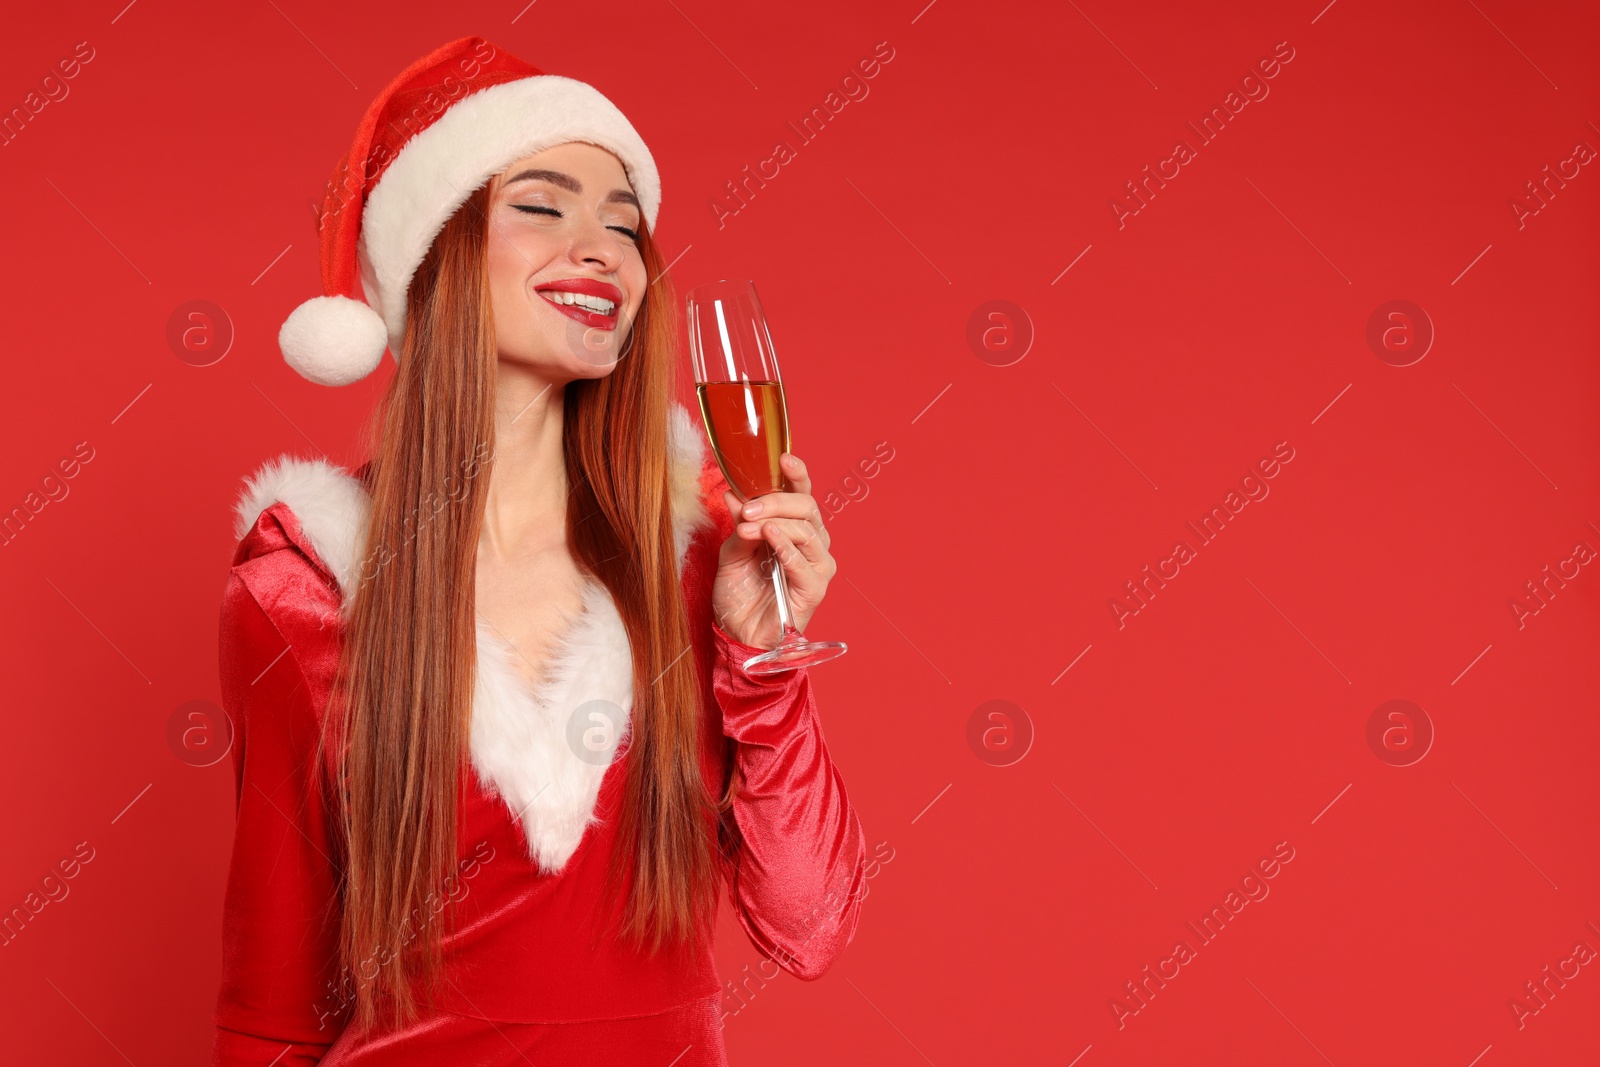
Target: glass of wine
x=741, y=399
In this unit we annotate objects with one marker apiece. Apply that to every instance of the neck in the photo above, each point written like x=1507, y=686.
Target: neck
x=527, y=496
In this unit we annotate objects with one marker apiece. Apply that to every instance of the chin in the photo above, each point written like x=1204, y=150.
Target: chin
x=557, y=365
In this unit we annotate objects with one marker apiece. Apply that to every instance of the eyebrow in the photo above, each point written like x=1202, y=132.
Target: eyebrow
x=571, y=184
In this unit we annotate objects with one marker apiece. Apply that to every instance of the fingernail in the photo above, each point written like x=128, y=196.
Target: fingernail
x=752, y=509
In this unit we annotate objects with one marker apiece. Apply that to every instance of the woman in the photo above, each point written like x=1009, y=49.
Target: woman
x=494, y=759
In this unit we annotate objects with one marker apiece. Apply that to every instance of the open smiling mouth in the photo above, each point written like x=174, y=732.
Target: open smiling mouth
x=594, y=311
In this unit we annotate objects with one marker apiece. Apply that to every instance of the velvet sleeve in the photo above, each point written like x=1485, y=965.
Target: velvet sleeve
x=797, y=870
x=276, y=1003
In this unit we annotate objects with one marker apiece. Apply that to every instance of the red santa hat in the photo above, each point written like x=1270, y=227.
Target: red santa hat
x=447, y=124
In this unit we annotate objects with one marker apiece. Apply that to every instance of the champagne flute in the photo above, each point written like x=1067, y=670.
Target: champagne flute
x=741, y=399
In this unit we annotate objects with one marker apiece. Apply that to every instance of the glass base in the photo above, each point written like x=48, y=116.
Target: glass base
x=795, y=651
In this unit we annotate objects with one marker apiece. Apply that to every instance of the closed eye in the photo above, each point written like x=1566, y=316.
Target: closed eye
x=542, y=209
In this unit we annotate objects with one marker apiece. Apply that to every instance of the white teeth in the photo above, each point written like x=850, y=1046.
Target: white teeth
x=597, y=304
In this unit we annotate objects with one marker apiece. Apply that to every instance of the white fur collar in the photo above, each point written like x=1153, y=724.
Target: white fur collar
x=544, y=751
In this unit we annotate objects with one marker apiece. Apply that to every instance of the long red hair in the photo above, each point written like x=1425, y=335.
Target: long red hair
x=399, y=725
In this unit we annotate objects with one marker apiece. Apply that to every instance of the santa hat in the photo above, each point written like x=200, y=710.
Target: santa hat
x=446, y=125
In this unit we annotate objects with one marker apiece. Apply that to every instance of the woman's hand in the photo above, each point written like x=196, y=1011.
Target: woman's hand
x=743, y=601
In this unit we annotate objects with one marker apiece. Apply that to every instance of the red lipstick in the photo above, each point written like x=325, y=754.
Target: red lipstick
x=587, y=287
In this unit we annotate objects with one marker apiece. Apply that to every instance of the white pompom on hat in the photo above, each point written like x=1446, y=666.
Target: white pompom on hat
x=443, y=127
x=333, y=340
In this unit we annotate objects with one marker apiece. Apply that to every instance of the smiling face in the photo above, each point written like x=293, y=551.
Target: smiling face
x=565, y=274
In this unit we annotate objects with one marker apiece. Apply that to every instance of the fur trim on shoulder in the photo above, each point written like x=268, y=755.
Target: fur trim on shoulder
x=331, y=505
x=334, y=509
x=688, y=456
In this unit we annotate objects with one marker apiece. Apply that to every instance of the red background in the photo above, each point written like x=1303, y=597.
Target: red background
x=1229, y=314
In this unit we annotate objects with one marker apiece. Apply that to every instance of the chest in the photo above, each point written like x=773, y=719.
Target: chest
x=530, y=602
x=553, y=696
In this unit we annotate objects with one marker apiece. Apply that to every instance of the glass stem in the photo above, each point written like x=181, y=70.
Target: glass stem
x=781, y=591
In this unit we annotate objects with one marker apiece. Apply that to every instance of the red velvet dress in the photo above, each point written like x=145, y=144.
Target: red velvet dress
x=532, y=975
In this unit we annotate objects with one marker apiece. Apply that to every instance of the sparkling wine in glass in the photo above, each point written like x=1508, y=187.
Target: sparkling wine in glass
x=741, y=400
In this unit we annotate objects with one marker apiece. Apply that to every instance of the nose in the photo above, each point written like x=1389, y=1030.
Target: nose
x=597, y=247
